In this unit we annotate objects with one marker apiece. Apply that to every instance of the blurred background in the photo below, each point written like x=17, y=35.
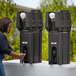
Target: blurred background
x=9, y=8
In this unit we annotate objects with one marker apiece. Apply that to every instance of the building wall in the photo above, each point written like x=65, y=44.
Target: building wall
x=22, y=8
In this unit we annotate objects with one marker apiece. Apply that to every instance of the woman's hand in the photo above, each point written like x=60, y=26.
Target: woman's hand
x=21, y=55
x=18, y=56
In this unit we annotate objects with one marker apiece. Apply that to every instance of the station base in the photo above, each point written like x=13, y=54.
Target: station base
x=15, y=68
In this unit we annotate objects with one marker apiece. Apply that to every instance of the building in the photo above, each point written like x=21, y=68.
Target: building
x=23, y=8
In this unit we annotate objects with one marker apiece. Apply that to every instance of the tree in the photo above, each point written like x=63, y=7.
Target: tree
x=72, y=10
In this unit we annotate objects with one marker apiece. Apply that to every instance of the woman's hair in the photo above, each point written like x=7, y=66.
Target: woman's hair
x=4, y=23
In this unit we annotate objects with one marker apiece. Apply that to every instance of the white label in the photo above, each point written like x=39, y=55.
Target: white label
x=24, y=42
x=53, y=43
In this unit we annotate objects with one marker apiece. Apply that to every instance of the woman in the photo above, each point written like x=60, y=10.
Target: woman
x=5, y=27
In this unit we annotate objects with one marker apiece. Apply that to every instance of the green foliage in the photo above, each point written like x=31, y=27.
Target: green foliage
x=72, y=10
x=73, y=45
x=54, y=5
x=44, y=45
x=8, y=9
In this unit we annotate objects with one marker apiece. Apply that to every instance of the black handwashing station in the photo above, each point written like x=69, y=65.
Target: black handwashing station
x=58, y=24
x=30, y=25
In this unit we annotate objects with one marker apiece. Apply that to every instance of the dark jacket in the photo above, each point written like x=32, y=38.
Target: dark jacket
x=4, y=45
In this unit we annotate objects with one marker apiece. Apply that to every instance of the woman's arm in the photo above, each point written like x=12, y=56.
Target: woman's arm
x=18, y=56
